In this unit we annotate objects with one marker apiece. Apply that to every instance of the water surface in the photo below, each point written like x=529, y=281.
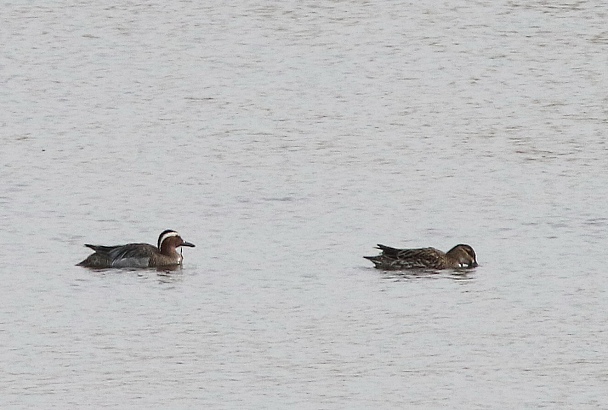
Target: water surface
x=285, y=141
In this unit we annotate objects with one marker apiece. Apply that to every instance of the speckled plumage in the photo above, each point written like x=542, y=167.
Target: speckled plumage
x=138, y=255
x=460, y=256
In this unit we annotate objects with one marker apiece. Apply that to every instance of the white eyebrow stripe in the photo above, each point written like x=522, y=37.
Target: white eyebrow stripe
x=165, y=236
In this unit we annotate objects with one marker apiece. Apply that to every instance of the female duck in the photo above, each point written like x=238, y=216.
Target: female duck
x=460, y=256
x=138, y=255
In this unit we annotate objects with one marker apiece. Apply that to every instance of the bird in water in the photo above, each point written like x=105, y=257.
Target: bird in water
x=460, y=256
x=138, y=255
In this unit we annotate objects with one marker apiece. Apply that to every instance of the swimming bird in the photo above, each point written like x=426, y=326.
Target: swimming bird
x=460, y=256
x=138, y=255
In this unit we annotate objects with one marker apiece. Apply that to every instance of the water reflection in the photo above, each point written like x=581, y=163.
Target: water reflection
x=170, y=274
x=456, y=274
x=164, y=274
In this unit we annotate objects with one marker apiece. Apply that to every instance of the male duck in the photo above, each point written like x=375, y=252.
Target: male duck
x=460, y=256
x=138, y=255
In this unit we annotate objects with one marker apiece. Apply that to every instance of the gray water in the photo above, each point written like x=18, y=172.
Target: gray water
x=286, y=139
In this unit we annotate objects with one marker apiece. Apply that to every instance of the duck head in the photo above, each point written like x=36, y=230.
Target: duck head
x=464, y=255
x=170, y=239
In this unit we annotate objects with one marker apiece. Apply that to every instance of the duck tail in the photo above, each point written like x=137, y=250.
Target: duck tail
x=100, y=248
x=387, y=250
x=377, y=260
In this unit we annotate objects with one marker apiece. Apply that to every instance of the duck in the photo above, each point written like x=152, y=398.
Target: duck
x=138, y=255
x=460, y=256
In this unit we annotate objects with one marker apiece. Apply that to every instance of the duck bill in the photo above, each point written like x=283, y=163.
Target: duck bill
x=187, y=244
x=473, y=264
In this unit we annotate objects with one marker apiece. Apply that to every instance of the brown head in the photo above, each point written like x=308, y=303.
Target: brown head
x=169, y=240
x=464, y=255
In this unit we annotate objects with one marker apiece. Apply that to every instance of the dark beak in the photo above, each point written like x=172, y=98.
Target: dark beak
x=473, y=264
x=187, y=244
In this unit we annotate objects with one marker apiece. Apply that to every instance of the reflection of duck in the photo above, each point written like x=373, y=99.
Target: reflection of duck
x=138, y=255
x=460, y=256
